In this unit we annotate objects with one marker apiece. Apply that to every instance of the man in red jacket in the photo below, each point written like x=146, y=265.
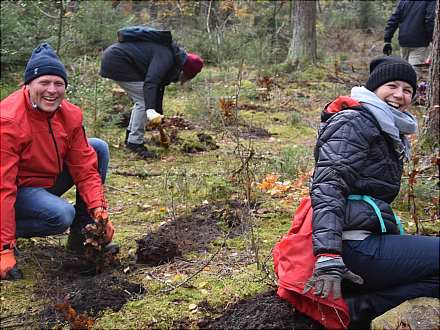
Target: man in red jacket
x=44, y=152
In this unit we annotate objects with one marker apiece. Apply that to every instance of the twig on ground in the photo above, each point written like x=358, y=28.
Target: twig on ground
x=36, y=260
x=160, y=280
x=122, y=190
x=138, y=174
x=173, y=287
x=16, y=325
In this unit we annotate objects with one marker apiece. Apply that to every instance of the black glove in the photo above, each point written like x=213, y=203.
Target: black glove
x=327, y=277
x=387, y=49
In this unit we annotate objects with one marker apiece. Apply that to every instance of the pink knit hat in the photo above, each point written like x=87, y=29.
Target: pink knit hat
x=193, y=65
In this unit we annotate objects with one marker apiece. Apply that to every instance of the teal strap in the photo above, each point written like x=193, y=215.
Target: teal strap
x=399, y=224
x=371, y=202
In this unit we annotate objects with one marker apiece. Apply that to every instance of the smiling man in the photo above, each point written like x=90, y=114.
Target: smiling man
x=44, y=152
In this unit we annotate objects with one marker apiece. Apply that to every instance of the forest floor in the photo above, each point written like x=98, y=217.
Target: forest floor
x=197, y=226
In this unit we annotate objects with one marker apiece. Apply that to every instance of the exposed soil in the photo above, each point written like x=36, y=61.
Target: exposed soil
x=87, y=296
x=267, y=108
x=190, y=233
x=198, y=143
x=64, y=282
x=245, y=130
x=253, y=132
x=264, y=311
x=178, y=122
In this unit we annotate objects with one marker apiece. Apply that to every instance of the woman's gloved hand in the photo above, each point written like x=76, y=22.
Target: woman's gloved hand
x=328, y=275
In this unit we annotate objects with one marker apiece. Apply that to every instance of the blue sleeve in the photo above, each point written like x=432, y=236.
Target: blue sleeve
x=393, y=23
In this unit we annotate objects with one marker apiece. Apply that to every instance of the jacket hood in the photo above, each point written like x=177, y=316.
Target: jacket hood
x=340, y=103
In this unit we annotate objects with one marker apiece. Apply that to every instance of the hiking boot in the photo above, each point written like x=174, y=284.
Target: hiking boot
x=127, y=133
x=140, y=150
x=361, y=311
x=75, y=243
x=111, y=248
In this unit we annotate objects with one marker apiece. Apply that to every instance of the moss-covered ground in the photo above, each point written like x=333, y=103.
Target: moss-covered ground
x=145, y=195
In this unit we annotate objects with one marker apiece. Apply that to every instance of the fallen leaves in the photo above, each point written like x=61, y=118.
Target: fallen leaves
x=274, y=187
x=77, y=321
x=290, y=191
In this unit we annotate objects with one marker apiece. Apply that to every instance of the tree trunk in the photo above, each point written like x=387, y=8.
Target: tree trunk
x=303, y=44
x=432, y=118
x=60, y=25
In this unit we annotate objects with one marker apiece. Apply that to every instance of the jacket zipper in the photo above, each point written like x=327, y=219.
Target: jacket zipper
x=55, y=144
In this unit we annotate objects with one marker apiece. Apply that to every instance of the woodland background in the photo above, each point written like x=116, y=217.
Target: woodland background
x=196, y=227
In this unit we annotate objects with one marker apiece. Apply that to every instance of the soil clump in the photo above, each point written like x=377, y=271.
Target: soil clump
x=190, y=233
x=64, y=281
x=263, y=311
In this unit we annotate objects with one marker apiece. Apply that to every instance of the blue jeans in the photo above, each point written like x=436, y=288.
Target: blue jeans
x=395, y=268
x=41, y=212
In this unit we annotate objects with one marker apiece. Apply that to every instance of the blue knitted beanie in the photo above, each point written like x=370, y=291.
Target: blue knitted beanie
x=44, y=61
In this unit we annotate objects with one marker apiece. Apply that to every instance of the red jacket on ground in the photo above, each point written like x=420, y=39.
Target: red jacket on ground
x=34, y=147
x=294, y=262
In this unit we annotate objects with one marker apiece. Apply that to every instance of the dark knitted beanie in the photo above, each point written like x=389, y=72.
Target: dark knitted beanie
x=44, y=61
x=389, y=68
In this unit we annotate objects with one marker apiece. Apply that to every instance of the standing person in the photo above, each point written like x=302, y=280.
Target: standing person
x=415, y=21
x=357, y=241
x=44, y=152
x=143, y=69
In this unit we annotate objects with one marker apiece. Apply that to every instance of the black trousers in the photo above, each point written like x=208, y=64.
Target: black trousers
x=395, y=268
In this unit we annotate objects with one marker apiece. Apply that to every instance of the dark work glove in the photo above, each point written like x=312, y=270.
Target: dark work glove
x=387, y=49
x=328, y=275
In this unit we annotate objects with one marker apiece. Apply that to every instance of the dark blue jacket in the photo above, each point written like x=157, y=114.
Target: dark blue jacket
x=415, y=20
x=353, y=157
x=154, y=64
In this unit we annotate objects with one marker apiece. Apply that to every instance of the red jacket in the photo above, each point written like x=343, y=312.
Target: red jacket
x=35, y=146
x=293, y=264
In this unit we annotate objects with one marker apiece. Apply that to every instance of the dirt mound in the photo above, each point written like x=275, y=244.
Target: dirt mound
x=253, y=132
x=87, y=296
x=189, y=233
x=246, y=130
x=264, y=311
x=198, y=143
x=178, y=122
x=155, y=249
x=64, y=281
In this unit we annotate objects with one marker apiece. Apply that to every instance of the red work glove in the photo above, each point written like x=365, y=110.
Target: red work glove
x=8, y=269
x=100, y=215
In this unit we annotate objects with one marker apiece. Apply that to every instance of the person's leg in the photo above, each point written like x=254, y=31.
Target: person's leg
x=39, y=213
x=103, y=154
x=395, y=268
x=82, y=217
x=404, y=53
x=134, y=140
x=138, y=118
x=418, y=55
x=65, y=181
x=365, y=307
x=385, y=261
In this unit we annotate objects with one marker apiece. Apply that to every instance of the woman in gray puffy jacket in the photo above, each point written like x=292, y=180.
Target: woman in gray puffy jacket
x=357, y=239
